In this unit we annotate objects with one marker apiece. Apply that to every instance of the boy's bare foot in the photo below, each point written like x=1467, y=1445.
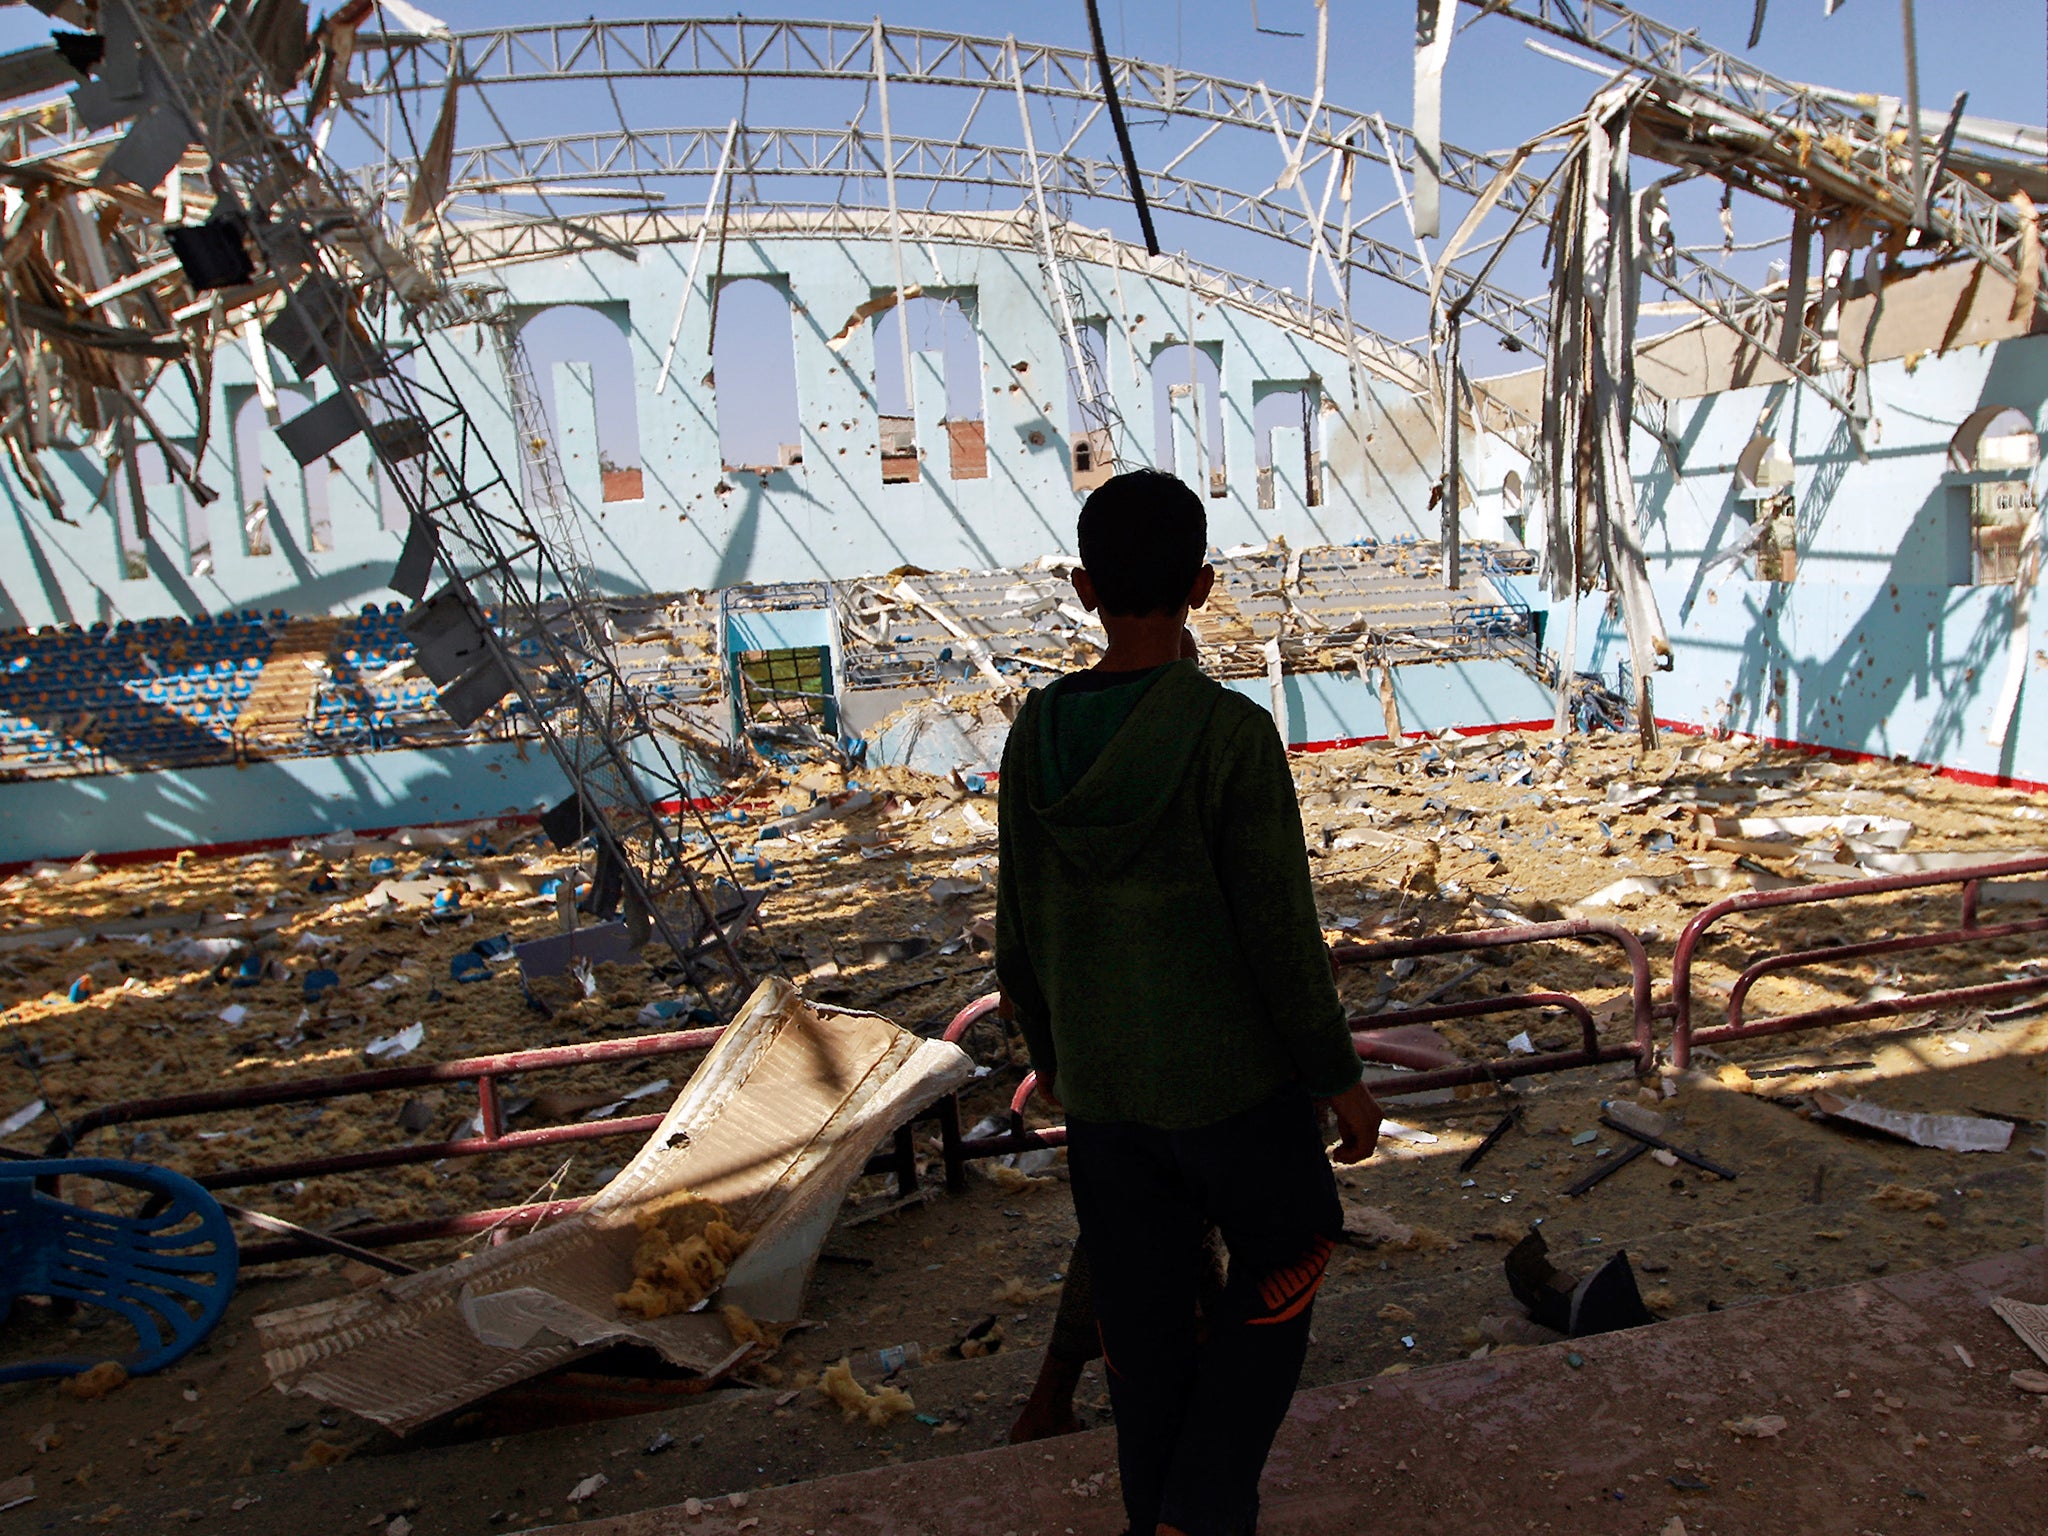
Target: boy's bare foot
x=1049, y=1411
x=1170, y=1530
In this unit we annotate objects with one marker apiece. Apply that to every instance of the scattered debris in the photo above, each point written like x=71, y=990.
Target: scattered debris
x=97, y=1381
x=1632, y=1120
x=1487, y=1143
x=855, y=1402
x=1948, y=1133
x=1755, y=1426
x=2028, y=1319
x=834, y=1083
x=1903, y=1197
x=1605, y=1301
x=391, y=1047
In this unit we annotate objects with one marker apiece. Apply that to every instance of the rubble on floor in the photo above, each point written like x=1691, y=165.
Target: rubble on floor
x=880, y=887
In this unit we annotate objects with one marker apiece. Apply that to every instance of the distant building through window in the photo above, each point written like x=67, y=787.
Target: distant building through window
x=1995, y=531
x=1763, y=478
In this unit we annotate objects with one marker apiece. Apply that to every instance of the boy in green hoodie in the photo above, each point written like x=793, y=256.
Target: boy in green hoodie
x=1157, y=938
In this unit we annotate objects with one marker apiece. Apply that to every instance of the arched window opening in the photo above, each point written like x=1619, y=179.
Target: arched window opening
x=1187, y=399
x=1995, y=439
x=1993, y=536
x=1763, y=477
x=252, y=429
x=132, y=519
x=581, y=333
x=939, y=323
x=1287, y=432
x=753, y=375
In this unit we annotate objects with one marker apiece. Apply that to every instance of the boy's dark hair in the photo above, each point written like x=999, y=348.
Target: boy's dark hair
x=1144, y=536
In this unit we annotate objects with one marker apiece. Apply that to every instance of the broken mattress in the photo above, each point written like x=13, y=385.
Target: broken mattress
x=775, y=1125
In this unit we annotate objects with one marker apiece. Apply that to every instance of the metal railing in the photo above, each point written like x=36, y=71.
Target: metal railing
x=1424, y=1069
x=1968, y=932
x=491, y=1136
x=1425, y=1075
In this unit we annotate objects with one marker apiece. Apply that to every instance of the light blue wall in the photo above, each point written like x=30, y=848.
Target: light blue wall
x=1870, y=649
x=778, y=629
x=697, y=528
x=1323, y=707
x=62, y=818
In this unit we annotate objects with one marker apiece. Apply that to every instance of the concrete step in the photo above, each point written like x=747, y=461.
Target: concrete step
x=1891, y=1398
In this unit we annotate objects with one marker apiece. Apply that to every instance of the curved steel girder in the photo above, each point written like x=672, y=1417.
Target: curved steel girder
x=847, y=153
x=837, y=50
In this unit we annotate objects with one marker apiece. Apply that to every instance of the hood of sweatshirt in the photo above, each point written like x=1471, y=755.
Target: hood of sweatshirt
x=1107, y=817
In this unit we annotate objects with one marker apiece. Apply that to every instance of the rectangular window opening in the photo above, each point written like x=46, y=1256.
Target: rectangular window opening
x=967, y=449
x=787, y=687
x=2000, y=513
x=899, y=450
x=1777, y=539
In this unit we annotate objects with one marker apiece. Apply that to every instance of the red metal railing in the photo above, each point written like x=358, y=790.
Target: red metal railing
x=1685, y=1036
x=1640, y=1048
x=492, y=1137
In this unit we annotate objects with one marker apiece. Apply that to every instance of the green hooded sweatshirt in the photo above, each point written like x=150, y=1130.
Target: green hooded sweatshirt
x=1155, y=928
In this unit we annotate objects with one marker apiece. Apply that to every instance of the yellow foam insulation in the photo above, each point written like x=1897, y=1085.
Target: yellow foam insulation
x=857, y=1402
x=686, y=1245
x=746, y=1330
x=1903, y=1197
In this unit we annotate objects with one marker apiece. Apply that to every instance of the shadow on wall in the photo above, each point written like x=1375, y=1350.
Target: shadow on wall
x=1917, y=637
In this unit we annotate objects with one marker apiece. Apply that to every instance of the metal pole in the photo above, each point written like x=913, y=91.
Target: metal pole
x=668, y=357
x=895, y=227
x=1116, y=121
x=1195, y=386
x=1913, y=126
x=1449, y=509
x=1078, y=362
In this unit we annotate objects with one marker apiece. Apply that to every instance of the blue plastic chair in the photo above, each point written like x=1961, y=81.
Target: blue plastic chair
x=170, y=1275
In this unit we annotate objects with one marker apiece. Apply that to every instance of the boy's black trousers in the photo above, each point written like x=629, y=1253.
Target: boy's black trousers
x=1195, y=1417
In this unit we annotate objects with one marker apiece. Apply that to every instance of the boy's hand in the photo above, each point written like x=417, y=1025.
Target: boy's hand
x=1358, y=1123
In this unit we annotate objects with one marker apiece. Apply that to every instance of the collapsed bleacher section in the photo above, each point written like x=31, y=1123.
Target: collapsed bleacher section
x=1327, y=606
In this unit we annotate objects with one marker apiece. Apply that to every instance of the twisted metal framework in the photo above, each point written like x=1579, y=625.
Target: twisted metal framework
x=1711, y=112
x=308, y=220
x=1722, y=110
x=849, y=157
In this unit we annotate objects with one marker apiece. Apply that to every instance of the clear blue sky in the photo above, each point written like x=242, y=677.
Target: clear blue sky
x=1497, y=91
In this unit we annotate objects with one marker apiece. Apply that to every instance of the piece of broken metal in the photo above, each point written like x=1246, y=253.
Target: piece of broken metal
x=1648, y=1140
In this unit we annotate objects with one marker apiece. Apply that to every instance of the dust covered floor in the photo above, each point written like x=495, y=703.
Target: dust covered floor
x=884, y=903
x=1714, y=1426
